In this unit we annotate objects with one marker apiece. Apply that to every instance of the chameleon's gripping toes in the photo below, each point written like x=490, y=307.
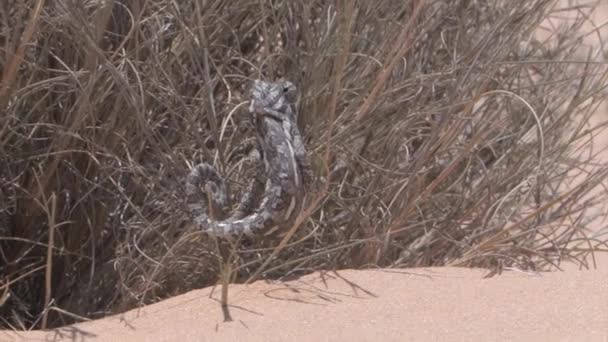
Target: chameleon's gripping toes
x=286, y=167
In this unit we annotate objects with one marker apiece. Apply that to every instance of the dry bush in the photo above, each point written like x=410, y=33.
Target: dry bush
x=443, y=132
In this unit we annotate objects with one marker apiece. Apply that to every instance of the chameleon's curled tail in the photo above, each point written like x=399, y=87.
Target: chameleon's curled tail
x=245, y=220
x=216, y=200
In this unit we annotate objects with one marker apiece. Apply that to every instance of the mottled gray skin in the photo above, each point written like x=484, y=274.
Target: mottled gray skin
x=286, y=167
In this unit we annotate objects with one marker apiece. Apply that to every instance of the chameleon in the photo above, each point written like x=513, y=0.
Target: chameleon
x=286, y=168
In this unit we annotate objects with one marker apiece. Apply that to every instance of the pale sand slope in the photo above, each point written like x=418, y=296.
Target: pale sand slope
x=432, y=304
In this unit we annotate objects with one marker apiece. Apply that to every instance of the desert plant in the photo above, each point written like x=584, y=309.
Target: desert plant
x=442, y=133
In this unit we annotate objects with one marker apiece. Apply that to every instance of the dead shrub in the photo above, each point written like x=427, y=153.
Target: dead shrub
x=444, y=132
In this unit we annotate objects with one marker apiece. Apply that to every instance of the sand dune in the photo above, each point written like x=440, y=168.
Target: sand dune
x=432, y=304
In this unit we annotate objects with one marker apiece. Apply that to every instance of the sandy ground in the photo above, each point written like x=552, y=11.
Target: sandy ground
x=435, y=304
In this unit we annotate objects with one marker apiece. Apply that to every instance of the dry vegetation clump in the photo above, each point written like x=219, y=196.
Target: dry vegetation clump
x=442, y=133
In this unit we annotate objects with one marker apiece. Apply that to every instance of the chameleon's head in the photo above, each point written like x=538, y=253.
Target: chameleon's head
x=273, y=94
x=289, y=90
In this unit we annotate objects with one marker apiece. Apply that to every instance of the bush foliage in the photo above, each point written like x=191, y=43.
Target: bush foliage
x=442, y=132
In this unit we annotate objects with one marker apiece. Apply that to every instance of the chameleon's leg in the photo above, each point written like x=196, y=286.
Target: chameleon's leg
x=302, y=158
x=243, y=151
x=255, y=188
x=298, y=146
